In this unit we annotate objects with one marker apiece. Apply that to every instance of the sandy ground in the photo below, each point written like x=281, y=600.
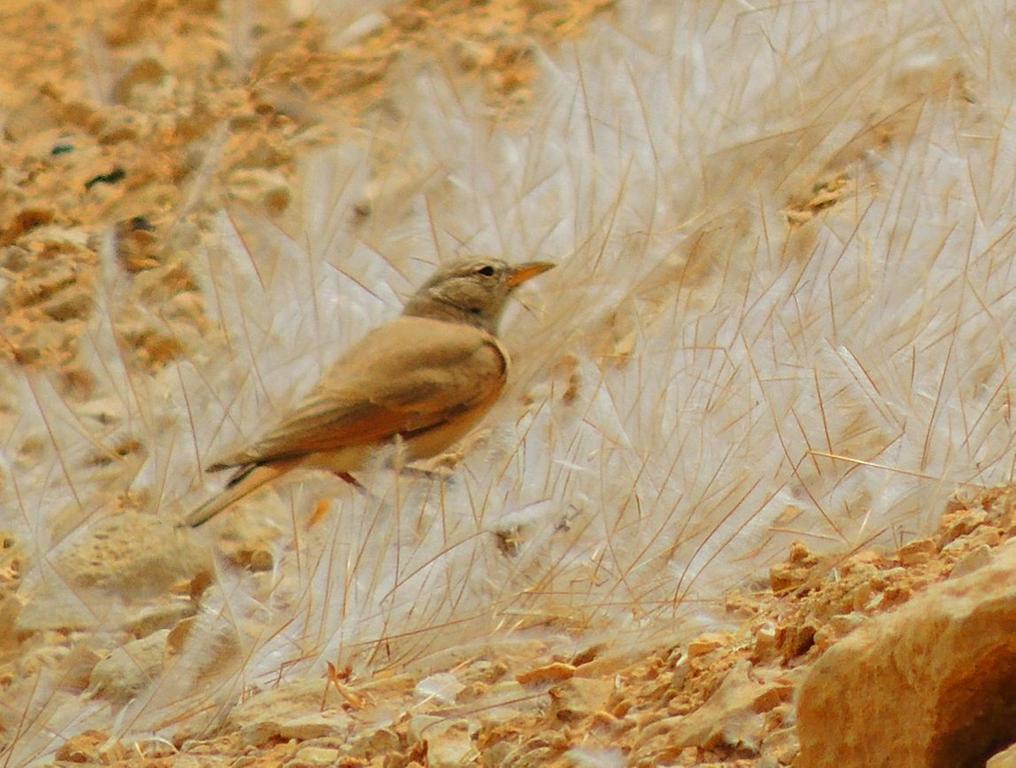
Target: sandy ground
x=140, y=135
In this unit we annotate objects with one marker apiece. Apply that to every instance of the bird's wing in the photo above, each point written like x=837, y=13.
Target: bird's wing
x=407, y=377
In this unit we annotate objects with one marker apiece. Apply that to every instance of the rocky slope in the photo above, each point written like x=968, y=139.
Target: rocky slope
x=865, y=658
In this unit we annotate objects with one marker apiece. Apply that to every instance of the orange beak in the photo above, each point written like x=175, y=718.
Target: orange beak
x=518, y=275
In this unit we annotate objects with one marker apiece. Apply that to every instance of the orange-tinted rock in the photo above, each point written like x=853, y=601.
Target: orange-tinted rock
x=548, y=674
x=932, y=685
x=795, y=571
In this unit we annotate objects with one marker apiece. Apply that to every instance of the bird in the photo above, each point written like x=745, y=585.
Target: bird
x=425, y=379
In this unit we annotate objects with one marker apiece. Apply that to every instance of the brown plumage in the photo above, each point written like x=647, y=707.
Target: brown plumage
x=427, y=377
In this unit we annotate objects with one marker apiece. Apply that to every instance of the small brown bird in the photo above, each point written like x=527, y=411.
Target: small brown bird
x=426, y=378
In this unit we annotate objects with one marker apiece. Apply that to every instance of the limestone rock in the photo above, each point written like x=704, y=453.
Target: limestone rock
x=374, y=742
x=978, y=557
x=119, y=553
x=593, y=757
x=161, y=616
x=77, y=666
x=129, y=669
x=311, y=757
x=317, y=725
x=451, y=747
x=423, y=727
x=917, y=552
x=781, y=746
x=931, y=684
x=732, y=717
x=283, y=713
x=579, y=697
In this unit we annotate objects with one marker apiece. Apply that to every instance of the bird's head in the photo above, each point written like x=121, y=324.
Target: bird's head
x=472, y=291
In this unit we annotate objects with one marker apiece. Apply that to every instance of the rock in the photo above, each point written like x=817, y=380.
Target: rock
x=25, y=221
x=707, y=643
x=795, y=571
x=732, y=716
x=129, y=669
x=424, y=726
x=551, y=673
x=1005, y=759
x=579, y=697
x=264, y=153
x=311, y=757
x=318, y=725
x=373, y=743
x=782, y=745
x=86, y=747
x=470, y=55
x=451, y=747
x=258, y=186
x=155, y=617
x=144, y=72
x=917, y=552
x=449, y=742
x=77, y=668
x=259, y=732
x=679, y=674
x=976, y=558
x=796, y=637
x=483, y=671
x=764, y=643
x=959, y=523
x=838, y=627
x=591, y=757
x=271, y=713
x=118, y=554
x=587, y=655
x=930, y=684
x=536, y=757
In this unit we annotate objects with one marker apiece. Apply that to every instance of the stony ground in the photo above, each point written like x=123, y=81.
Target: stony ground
x=145, y=124
x=724, y=698
x=128, y=126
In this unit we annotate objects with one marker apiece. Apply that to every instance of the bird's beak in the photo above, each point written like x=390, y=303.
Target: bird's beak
x=519, y=274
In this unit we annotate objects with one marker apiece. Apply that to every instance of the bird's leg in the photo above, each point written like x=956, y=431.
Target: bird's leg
x=359, y=487
x=351, y=480
x=402, y=464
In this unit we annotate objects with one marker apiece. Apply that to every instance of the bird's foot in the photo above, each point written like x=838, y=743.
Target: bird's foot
x=441, y=475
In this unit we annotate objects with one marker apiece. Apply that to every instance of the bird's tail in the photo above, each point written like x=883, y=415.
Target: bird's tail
x=246, y=482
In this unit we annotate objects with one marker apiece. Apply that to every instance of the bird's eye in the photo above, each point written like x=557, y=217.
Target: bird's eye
x=487, y=271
